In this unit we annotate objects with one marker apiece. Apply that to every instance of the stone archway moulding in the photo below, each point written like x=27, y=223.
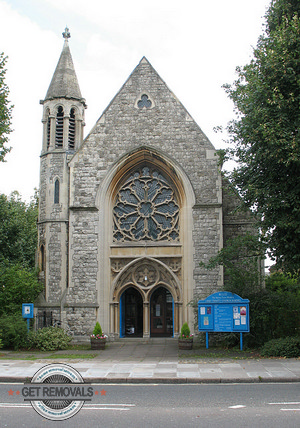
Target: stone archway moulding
x=145, y=274
x=158, y=274
x=108, y=293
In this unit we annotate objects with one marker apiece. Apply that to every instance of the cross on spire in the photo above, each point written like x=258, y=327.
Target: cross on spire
x=66, y=34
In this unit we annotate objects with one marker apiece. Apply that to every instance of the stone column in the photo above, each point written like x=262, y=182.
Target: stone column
x=52, y=132
x=146, y=318
x=177, y=318
x=117, y=320
x=66, y=131
x=112, y=319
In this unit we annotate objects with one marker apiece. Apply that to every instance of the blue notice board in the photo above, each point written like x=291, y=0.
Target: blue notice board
x=27, y=310
x=223, y=312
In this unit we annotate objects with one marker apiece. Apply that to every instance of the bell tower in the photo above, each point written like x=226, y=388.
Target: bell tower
x=63, y=122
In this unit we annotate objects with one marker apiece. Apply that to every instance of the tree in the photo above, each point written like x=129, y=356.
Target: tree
x=241, y=259
x=265, y=135
x=18, y=285
x=18, y=230
x=18, y=243
x=5, y=110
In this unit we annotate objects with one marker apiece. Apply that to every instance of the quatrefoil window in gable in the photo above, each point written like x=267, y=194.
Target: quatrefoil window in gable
x=146, y=208
x=145, y=102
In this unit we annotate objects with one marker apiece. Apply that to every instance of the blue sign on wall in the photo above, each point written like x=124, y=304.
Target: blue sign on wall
x=223, y=312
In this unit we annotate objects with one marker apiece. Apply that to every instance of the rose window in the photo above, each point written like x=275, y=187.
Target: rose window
x=146, y=208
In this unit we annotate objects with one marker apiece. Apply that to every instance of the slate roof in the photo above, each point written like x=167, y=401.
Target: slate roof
x=64, y=83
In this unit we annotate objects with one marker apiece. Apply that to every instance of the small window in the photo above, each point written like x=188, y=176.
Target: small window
x=59, y=131
x=71, y=136
x=144, y=102
x=56, y=192
x=42, y=258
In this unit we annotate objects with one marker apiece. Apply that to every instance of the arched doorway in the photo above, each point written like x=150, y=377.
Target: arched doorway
x=131, y=313
x=161, y=313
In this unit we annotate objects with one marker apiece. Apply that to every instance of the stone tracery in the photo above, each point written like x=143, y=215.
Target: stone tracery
x=146, y=208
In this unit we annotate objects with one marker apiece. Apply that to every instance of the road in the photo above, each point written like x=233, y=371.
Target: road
x=214, y=405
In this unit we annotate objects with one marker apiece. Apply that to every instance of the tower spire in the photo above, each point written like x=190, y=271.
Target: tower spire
x=64, y=83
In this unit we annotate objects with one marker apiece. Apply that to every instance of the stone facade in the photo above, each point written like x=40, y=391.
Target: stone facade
x=127, y=215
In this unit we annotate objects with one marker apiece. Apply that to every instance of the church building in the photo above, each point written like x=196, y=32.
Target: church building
x=127, y=214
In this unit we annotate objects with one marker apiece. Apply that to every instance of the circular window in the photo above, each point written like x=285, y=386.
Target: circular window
x=146, y=208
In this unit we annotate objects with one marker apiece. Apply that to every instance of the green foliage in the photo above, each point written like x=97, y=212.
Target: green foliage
x=18, y=229
x=185, y=331
x=272, y=315
x=265, y=134
x=281, y=283
x=18, y=243
x=288, y=347
x=241, y=258
x=50, y=339
x=18, y=285
x=279, y=11
x=5, y=110
x=97, y=329
x=274, y=300
x=14, y=332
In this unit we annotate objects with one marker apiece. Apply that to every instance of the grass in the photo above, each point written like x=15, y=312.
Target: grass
x=37, y=354
x=73, y=356
x=200, y=352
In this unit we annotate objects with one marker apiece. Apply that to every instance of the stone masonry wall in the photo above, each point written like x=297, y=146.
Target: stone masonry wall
x=166, y=127
x=206, y=230
x=81, y=321
x=83, y=257
x=123, y=127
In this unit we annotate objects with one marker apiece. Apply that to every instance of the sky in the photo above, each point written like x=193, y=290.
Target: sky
x=194, y=45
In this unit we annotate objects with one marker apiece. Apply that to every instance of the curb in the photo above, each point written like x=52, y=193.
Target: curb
x=167, y=381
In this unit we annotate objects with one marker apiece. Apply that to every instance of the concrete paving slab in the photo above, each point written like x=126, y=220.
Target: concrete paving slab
x=157, y=361
x=259, y=374
x=189, y=375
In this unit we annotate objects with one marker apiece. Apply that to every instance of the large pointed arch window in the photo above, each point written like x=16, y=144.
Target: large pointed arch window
x=146, y=208
x=59, y=131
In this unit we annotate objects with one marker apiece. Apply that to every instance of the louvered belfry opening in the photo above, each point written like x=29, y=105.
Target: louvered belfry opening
x=48, y=129
x=71, y=136
x=59, y=134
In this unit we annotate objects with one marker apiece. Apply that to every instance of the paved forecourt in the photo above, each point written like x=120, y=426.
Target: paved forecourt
x=152, y=361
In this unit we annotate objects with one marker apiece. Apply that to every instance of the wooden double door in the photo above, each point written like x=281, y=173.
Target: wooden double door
x=132, y=313
x=161, y=313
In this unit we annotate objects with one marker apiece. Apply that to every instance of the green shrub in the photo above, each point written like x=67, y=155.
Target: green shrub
x=50, y=339
x=284, y=347
x=14, y=333
x=185, y=330
x=97, y=330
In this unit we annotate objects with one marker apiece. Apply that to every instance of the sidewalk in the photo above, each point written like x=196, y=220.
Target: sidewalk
x=153, y=361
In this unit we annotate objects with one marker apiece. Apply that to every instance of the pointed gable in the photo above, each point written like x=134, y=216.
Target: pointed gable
x=146, y=100
x=146, y=113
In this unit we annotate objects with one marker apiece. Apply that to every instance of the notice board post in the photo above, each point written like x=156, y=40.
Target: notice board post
x=224, y=312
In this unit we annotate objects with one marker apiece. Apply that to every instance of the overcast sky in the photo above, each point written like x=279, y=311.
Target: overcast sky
x=194, y=46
